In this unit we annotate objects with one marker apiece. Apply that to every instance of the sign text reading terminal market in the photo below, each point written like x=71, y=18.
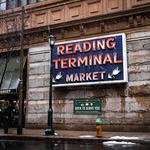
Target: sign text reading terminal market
x=98, y=60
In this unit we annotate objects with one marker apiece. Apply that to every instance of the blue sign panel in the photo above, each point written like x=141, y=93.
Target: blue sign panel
x=98, y=60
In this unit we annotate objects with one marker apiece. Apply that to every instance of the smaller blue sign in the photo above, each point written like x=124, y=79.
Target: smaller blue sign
x=98, y=60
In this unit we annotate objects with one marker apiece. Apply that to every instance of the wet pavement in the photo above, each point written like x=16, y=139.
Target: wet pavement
x=71, y=145
x=34, y=139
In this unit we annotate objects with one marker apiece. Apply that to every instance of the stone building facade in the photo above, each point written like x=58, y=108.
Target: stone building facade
x=125, y=107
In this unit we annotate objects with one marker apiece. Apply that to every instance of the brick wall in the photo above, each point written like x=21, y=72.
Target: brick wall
x=38, y=78
x=124, y=107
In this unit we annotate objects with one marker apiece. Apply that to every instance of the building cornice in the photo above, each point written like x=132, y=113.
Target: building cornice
x=123, y=20
x=131, y=19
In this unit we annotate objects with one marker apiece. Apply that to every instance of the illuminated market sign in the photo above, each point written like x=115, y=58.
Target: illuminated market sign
x=98, y=60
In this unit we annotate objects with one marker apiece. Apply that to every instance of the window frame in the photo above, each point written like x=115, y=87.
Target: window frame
x=1, y=3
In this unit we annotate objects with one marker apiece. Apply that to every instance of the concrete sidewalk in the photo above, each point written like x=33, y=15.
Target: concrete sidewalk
x=35, y=134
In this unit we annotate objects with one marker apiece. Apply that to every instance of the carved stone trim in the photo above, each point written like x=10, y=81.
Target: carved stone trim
x=126, y=20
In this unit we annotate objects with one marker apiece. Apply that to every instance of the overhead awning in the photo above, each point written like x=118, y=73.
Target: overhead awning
x=9, y=75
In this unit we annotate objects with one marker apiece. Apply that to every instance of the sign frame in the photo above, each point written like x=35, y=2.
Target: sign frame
x=124, y=54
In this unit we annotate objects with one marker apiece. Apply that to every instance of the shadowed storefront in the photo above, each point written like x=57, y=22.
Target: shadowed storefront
x=9, y=90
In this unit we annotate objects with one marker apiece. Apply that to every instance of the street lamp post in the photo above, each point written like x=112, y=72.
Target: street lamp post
x=50, y=130
x=21, y=103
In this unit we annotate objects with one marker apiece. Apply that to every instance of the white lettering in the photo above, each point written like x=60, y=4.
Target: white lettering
x=92, y=76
